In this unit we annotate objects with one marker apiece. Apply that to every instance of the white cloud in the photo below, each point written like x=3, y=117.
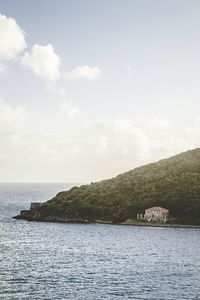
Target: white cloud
x=62, y=145
x=84, y=72
x=43, y=61
x=12, y=40
x=12, y=118
x=58, y=90
x=69, y=110
x=129, y=68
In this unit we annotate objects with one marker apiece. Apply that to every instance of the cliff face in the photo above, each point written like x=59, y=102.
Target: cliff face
x=173, y=183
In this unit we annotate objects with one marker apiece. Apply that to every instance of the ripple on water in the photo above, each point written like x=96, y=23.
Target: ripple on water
x=66, y=261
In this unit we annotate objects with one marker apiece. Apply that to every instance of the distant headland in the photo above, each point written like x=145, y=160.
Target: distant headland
x=165, y=193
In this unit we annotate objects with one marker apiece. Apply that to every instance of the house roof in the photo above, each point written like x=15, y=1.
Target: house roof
x=156, y=208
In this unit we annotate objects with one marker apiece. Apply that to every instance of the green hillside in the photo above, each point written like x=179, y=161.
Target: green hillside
x=173, y=183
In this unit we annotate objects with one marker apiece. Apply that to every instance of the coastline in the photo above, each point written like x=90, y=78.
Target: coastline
x=125, y=223
x=144, y=224
x=162, y=225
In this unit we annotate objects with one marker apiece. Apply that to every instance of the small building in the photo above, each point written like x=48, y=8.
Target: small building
x=156, y=213
x=24, y=211
x=35, y=205
x=139, y=216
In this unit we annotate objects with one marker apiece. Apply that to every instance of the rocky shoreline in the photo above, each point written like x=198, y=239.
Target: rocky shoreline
x=129, y=222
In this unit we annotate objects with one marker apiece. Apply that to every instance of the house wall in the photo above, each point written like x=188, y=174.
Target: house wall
x=156, y=216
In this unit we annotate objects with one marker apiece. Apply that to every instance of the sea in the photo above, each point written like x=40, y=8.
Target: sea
x=90, y=262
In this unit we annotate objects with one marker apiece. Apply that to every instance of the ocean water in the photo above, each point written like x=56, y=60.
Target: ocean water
x=73, y=261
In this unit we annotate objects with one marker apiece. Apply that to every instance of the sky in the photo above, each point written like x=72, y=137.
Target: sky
x=90, y=89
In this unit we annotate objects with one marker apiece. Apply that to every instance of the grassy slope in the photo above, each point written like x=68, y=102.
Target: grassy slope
x=173, y=183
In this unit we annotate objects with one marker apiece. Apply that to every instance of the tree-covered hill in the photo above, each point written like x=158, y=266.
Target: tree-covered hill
x=173, y=183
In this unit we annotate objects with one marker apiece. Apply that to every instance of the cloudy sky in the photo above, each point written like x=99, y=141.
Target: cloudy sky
x=90, y=89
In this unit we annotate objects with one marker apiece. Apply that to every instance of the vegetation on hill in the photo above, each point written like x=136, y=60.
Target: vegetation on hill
x=173, y=183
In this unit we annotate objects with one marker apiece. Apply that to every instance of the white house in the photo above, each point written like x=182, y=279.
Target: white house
x=156, y=213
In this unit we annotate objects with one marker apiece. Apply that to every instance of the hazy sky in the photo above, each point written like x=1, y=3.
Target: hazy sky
x=90, y=89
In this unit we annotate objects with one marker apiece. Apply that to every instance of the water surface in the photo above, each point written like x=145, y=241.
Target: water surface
x=74, y=261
